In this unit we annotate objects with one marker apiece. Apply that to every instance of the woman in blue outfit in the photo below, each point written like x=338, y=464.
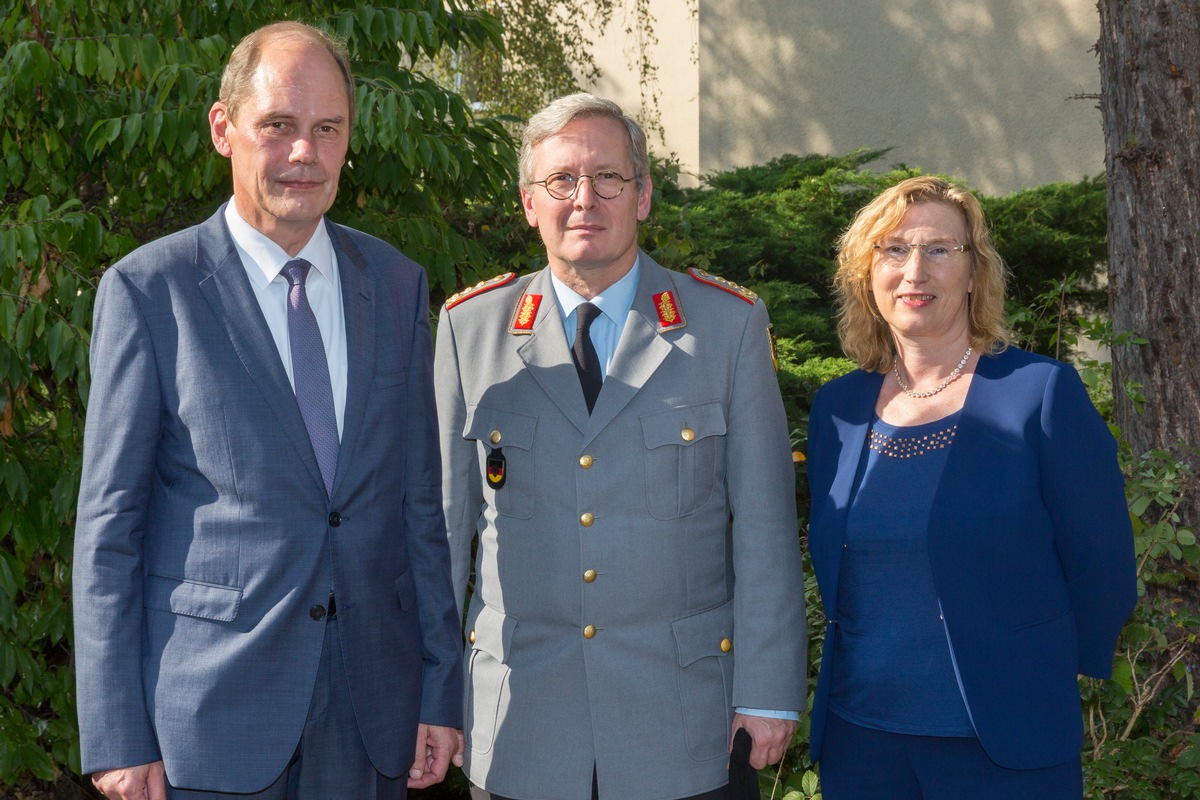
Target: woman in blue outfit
x=968, y=529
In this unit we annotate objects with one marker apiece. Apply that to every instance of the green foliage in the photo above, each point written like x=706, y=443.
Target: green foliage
x=1141, y=737
x=1050, y=231
x=104, y=145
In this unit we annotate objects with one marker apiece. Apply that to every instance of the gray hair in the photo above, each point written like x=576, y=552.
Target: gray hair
x=565, y=110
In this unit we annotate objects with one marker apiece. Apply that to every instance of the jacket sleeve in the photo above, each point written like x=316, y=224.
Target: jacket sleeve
x=119, y=453
x=1084, y=491
x=769, y=622
x=462, y=490
x=441, y=701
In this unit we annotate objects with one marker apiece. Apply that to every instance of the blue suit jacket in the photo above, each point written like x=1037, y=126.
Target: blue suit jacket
x=205, y=534
x=1029, y=542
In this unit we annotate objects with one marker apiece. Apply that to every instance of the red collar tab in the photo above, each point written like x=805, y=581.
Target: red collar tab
x=669, y=316
x=525, y=314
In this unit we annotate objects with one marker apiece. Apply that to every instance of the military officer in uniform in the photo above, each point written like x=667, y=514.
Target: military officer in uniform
x=613, y=437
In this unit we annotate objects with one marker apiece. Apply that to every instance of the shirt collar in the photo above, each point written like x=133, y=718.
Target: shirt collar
x=268, y=258
x=614, y=302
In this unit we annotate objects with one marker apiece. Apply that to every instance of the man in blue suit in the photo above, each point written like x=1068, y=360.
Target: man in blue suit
x=263, y=601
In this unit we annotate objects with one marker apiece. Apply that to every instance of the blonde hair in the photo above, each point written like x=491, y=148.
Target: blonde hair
x=565, y=110
x=239, y=72
x=865, y=336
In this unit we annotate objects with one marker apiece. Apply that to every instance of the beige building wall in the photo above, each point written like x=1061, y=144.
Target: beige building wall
x=987, y=91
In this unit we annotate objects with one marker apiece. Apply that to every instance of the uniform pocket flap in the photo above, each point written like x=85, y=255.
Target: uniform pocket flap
x=406, y=589
x=492, y=632
x=497, y=428
x=683, y=426
x=192, y=598
x=707, y=633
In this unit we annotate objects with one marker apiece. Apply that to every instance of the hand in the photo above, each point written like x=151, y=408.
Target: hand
x=143, y=782
x=771, y=737
x=437, y=747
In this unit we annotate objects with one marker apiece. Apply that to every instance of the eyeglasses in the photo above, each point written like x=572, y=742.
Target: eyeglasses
x=894, y=253
x=564, y=185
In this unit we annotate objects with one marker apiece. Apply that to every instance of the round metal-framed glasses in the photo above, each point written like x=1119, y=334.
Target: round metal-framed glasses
x=607, y=185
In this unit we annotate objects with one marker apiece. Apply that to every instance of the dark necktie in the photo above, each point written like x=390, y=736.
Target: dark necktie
x=587, y=363
x=310, y=372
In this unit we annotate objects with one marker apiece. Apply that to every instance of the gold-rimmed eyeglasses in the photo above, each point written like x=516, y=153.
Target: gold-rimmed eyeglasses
x=938, y=252
x=563, y=185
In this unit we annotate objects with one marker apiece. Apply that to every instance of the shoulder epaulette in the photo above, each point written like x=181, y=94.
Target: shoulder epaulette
x=479, y=288
x=721, y=283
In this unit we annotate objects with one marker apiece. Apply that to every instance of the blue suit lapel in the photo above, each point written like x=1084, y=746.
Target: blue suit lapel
x=850, y=421
x=358, y=304
x=228, y=292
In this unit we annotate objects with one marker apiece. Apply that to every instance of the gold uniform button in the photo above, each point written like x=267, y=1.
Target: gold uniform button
x=589, y=576
x=494, y=437
x=586, y=519
x=589, y=631
x=471, y=637
x=726, y=645
x=585, y=461
x=688, y=434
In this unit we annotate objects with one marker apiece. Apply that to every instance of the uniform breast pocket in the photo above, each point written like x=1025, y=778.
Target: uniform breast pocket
x=504, y=441
x=684, y=448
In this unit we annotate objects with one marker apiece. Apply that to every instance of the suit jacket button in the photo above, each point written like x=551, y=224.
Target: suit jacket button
x=317, y=613
x=726, y=645
x=335, y=519
x=589, y=631
x=688, y=434
x=494, y=437
x=586, y=519
x=471, y=637
x=585, y=461
x=589, y=576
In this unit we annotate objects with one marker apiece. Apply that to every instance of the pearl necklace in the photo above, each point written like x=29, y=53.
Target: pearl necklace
x=953, y=376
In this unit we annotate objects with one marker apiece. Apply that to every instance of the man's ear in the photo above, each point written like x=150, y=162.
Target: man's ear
x=643, y=205
x=219, y=124
x=527, y=204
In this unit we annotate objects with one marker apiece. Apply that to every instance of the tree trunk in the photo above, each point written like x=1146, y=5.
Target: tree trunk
x=1150, y=83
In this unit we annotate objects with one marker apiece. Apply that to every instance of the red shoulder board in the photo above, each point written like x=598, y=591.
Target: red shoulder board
x=525, y=313
x=479, y=288
x=719, y=282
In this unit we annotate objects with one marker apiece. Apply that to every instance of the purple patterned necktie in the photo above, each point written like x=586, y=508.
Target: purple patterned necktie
x=310, y=372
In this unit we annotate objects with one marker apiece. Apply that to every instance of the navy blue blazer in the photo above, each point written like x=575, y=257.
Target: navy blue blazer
x=206, y=540
x=1030, y=545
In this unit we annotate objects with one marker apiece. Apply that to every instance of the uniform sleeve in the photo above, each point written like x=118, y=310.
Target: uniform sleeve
x=462, y=490
x=769, y=623
x=119, y=454
x=1084, y=491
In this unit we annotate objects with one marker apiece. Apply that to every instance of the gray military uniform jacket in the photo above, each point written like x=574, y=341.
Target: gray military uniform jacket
x=627, y=559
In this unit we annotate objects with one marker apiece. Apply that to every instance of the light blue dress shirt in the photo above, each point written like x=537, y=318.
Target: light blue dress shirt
x=614, y=304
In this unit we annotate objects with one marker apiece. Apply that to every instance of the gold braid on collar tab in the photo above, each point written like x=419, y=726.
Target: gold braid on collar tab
x=721, y=283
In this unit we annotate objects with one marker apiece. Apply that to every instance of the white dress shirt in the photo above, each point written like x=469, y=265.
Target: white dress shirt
x=264, y=261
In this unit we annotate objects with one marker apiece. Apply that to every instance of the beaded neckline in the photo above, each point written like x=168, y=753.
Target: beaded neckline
x=914, y=445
